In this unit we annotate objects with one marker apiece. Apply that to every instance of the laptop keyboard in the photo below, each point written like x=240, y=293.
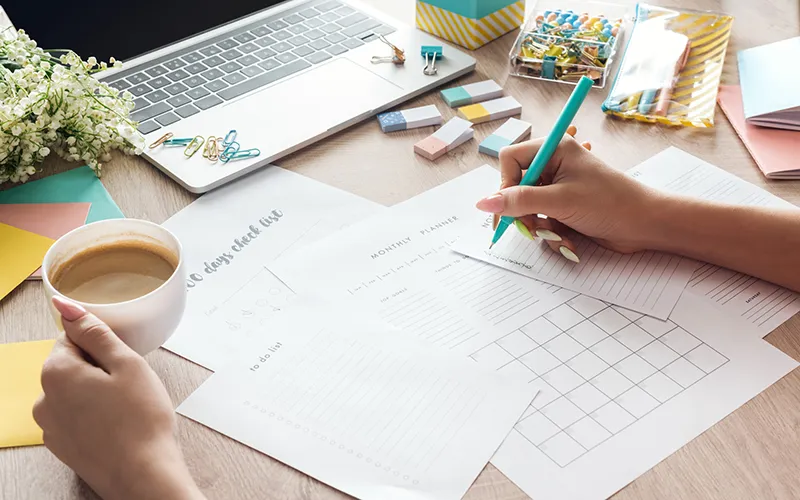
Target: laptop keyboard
x=203, y=76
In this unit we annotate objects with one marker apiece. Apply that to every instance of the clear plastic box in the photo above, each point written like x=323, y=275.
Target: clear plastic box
x=562, y=41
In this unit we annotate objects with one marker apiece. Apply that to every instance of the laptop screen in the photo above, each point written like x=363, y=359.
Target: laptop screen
x=113, y=28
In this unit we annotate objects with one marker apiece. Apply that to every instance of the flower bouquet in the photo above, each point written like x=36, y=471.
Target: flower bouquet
x=49, y=101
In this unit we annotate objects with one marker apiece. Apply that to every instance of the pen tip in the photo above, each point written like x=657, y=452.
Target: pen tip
x=491, y=245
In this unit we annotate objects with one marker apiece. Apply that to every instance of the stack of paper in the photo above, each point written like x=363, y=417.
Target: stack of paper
x=769, y=87
x=633, y=359
x=50, y=208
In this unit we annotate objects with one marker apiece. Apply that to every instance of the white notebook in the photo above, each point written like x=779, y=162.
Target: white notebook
x=770, y=85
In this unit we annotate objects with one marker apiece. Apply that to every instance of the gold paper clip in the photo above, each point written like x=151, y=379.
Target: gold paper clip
x=211, y=151
x=194, y=146
x=161, y=140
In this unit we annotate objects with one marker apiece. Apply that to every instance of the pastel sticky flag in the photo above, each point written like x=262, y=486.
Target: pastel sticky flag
x=76, y=185
x=410, y=118
x=452, y=134
x=20, y=374
x=51, y=220
x=21, y=253
x=511, y=132
x=472, y=93
x=491, y=110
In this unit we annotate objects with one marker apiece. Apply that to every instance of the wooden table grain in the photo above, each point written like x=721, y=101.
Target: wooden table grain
x=753, y=453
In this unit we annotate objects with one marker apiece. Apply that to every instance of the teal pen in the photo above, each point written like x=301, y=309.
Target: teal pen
x=549, y=147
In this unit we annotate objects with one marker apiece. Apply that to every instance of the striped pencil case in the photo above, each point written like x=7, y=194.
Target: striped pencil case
x=671, y=68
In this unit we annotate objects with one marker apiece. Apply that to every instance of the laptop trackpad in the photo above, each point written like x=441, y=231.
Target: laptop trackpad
x=310, y=104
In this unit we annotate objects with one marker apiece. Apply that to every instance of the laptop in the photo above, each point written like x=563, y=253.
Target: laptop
x=283, y=74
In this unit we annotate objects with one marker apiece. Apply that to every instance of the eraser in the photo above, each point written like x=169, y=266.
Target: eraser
x=511, y=132
x=491, y=110
x=452, y=134
x=410, y=118
x=472, y=93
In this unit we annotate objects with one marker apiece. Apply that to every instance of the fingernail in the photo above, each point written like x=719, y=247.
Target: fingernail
x=548, y=235
x=69, y=310
x=493, y=204
x=587, y=145
x=523, y=229
x=569, y=254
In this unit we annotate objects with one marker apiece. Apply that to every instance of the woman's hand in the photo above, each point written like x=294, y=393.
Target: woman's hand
x=106, y=414
x=576, y=190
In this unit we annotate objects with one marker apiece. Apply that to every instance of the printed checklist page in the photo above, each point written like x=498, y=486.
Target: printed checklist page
x=230, y=234
x=763, y=304
x=354, y=404
x=647, y=282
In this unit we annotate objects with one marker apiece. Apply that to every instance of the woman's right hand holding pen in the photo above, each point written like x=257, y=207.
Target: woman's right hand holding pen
x=576, y=190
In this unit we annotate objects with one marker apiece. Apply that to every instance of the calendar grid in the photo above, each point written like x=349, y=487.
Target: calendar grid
x=600, y=368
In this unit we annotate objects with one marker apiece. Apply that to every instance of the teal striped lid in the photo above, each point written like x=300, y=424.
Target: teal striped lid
x=473, y=9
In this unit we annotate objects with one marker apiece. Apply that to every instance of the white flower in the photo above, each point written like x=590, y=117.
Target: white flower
x=44, y=151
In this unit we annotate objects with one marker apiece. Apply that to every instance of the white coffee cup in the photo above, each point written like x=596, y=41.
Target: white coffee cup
x=146, y=322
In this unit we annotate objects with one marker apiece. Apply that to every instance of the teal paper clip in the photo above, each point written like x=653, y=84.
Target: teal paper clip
x=247, y=153
x=432, y=51
x=230, y=150
x=230, y=138
x=178, y=142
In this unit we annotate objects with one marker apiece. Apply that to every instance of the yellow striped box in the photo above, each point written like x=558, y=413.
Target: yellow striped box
x=470, y=23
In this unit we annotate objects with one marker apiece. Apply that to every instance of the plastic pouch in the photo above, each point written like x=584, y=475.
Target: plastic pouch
x=671, y=68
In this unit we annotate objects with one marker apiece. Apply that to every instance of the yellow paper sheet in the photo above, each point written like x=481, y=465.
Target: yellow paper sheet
x=20, y=385
x=21, y=253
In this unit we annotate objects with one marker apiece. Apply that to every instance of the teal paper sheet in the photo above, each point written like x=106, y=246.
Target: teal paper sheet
x=79, y=185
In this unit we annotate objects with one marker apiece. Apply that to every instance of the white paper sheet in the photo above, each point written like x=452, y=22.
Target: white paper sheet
x=758, y=302
x=399, y=264
x=648, y=282
x=370, y=411
x=626, y=390
x=619, y=411
x=230, y=234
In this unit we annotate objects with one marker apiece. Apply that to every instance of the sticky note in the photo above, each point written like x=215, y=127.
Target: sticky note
x=511, y=132
x=51, y=220
x=20, y=386
x=491, y=110
x=21, y=253
x=452, y=134
x=76, y=185
x=410, y=118
x=472, y=93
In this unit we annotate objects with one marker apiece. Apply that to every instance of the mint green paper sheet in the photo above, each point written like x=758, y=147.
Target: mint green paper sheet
x=79, y=185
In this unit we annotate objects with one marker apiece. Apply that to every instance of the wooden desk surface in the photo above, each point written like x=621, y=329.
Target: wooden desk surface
x=753, y=453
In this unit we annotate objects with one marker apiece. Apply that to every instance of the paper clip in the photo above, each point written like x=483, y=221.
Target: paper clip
x=211, y=151
x=178, y=142
x=194, y=146
x=230, y=150
x=230, y=137
x=247, y=153
x=161, y=140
